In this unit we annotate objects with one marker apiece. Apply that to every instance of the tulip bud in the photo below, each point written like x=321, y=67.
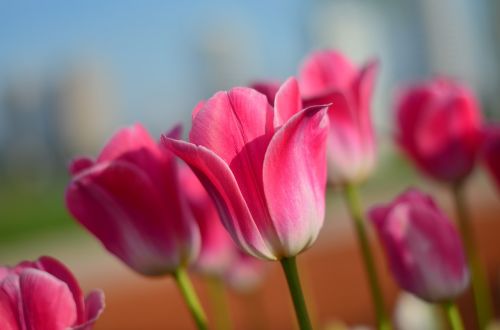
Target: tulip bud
x=329, y=77
x=131, y=199
x=439, y=128
x=423, y=248
x=264, y=167
x=44, y=295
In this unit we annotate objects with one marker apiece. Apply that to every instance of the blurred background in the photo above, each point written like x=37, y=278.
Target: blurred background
x=71, y=73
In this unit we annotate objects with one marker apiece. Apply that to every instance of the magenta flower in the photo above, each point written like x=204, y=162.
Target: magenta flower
x=265, y=168
x=423, y=248
x=439, y=128
x=491, y=153
x=131, y=199
x=329, y=77
x=44, y=295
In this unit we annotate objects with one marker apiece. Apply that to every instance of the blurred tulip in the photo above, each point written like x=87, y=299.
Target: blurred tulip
x=44, y=295
x=130, y=198
x=423, y=248
x=329, y=77
x=265, y=168
x=439, y=128
x=491, y=153
x=412, y=313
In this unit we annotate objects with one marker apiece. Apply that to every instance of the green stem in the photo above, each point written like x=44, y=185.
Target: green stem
x=354, y=204
x=292, y=277
x=480, y=288
x=190, y=297
x=453, y=315
x=219, y=301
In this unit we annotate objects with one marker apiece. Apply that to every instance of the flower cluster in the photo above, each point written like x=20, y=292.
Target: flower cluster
x=249, y=186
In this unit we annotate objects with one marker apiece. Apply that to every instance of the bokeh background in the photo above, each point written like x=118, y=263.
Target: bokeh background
x=71, y=73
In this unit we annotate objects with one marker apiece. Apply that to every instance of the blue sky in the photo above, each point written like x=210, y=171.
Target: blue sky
x=146, y=45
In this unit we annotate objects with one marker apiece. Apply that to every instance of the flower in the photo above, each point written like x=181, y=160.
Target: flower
x=264, y=167
x=329, y=77
x=423, y=248
x=439, y=128
x=491, y=152
x=131, y=199
x=44, y=295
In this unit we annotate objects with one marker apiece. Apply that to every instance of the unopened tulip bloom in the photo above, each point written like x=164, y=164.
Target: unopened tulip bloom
x=423, y=249
x=265, y=168
x=491, y=153
x=44, y=295
x=329, y=77
x=131, y=199
x=439, y=128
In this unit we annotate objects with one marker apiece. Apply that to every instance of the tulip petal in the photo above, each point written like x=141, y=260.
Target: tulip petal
x=324, y=70
x=48, y=302
x=287, y=102
x=80, y=164
x=126, y=140
x=363, y=90
x=295, y=178
x=10, y=307
x=220, y=183
x=268, y=88
x=58, y=270
x=94, y=306
x=237, y=126
x=121, y=206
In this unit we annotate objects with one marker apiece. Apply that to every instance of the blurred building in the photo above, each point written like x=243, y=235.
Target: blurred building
x=47, y=120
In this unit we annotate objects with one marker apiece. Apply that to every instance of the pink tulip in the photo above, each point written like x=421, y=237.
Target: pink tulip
x=245, y=272
x=439, y=128
x=264, y=167
x=44, y=295
x=131, y=199
x=423, y=248
x=491, y=153
x=329, y=77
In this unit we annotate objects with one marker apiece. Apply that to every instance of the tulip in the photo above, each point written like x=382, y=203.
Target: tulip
x=439, y=128
x=329, y=77
x=423, y=248
x=491, y=153
x=44, y=295
x=131, y=199
x=264, y=167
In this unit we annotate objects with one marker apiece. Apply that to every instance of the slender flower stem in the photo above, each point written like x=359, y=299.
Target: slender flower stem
x=354, y=204
x=292, y=277
x=453, y=315
x=480, y=288
x=189, y=295
x=219, y=301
